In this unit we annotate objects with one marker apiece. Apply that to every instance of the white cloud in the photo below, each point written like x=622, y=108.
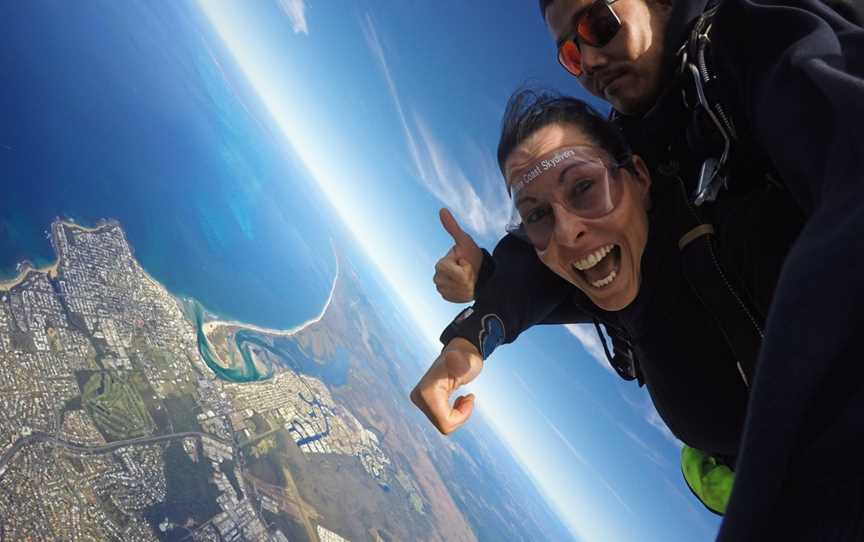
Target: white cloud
x=587, y=335
x=484, y=214
x=578, y=455
x=654, y=455
x=295, y=10
x=569, y=445
x=655, y=420
x=371, y=35
x=643, y=404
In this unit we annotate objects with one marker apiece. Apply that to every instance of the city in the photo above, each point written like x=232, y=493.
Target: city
x=115, y=429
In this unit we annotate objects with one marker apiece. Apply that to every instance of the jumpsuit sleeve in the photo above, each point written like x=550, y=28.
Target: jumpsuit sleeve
x=517, y=293
x=798, y=68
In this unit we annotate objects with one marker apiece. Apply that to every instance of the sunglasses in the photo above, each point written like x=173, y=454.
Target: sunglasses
x=595, y=25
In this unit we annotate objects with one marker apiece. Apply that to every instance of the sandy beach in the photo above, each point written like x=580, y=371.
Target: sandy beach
x=209, y=327
x=85, y=228
x=50, y=270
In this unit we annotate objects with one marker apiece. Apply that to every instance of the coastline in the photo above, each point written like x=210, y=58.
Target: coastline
x=28, y=268
x=99, y=225
x=51, y=269
x=211, y=326
x=207, y=327
x=249, y=369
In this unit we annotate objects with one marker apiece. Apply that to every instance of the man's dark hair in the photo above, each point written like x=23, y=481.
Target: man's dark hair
x=529, y=110
x=845, y=10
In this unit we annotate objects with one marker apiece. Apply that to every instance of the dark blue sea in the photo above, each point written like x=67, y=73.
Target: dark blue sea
x=136, y=111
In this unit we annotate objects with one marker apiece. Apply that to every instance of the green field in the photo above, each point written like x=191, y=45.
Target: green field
x=116, y=407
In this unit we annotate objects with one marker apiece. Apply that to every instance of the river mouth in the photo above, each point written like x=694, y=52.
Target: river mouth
x=245, y=372
x=273, y=352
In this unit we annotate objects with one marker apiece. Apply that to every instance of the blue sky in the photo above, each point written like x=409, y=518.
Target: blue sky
x=394, y=107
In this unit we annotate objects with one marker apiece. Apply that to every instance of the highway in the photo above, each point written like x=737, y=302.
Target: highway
x=37, y=436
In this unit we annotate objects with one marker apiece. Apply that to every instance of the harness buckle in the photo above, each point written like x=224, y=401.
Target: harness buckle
x=710, y=181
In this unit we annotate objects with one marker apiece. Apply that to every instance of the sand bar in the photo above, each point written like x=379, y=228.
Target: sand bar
x=210, y=327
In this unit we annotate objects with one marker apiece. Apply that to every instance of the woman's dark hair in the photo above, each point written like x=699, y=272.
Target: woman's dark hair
x=529, y=110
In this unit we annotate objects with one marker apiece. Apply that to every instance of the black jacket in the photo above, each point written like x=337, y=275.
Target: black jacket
x=800, y=74
x=795, y=74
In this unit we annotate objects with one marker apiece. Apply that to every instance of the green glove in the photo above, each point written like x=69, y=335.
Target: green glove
x=708, y=479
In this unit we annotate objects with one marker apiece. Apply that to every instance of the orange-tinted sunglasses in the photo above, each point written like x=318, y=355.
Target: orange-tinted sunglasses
x=595, y=25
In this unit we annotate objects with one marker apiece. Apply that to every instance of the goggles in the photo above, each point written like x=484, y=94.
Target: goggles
x=595, y=25
x=575, y=178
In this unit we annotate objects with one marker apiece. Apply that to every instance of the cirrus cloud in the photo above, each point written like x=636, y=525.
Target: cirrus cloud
x=295, y=10
x=475, y=195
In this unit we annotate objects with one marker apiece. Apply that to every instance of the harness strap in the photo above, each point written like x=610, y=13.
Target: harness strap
x=698, y=231
x=622, y=358
x=714, y=287
x=700, y=260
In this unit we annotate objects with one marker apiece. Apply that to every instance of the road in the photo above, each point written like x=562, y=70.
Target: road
x=37, y=436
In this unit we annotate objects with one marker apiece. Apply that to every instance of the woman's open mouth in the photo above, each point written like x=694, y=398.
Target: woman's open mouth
x=600, y=267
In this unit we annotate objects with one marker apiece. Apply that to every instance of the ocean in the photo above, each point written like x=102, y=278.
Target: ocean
x=135, y=111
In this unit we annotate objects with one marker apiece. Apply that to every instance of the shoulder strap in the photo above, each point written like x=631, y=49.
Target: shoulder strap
x=703, y=96
x=716, y=289
x=623, y=357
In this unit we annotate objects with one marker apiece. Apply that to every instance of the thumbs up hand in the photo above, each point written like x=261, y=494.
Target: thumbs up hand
x=456, y=273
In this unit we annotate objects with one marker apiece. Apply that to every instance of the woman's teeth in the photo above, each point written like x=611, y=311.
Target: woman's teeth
x=604, y=281
x=586, y=267
x=593, y=259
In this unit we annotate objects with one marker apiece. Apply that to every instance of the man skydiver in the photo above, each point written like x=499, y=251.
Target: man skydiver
x=789, y=78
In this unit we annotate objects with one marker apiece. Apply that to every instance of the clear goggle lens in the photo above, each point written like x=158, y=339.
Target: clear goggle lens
x=579, y=184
